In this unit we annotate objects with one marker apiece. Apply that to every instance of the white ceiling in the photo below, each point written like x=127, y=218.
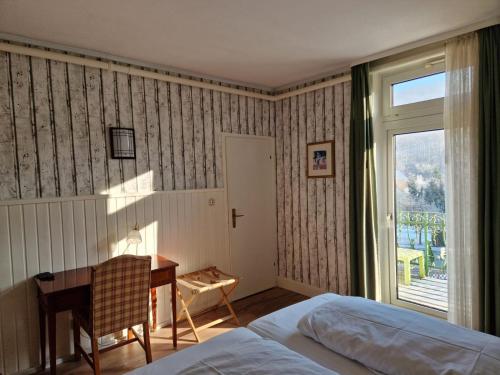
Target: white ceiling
x=262, y=42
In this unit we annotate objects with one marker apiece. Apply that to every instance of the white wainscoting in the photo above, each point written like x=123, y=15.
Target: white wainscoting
x=65, y=233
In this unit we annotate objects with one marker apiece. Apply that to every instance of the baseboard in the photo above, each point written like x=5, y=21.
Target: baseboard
x=298, y=287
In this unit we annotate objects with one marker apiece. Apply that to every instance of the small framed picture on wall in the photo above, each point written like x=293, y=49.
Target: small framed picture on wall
x=122, y=143
x=320, y=159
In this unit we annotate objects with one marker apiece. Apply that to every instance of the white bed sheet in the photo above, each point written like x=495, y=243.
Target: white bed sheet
x=237, y=352
x=281, y=326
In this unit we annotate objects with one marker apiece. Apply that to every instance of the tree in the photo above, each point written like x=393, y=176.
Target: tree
x=428, y=188
x=434, y=191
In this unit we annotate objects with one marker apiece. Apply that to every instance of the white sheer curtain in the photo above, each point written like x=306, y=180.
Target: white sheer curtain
x=461, y=140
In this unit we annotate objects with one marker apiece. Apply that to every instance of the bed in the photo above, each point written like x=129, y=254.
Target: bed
x=387, y=339
x=281, y=326
x=239, y=351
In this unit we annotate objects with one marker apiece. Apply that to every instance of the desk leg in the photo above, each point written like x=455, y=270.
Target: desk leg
x=154, y=302
x=42, y=321
x=174, y=312
x=52, y=341
x=76, y=336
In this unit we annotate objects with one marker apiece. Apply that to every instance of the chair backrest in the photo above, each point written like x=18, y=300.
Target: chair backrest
x=120, y=293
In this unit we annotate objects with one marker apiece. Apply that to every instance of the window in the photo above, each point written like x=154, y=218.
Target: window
x=413, y=187
x=418, y=89
x=414, y=93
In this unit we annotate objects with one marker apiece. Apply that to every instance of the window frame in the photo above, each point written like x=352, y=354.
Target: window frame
x=423, y=108
x=422, y=116
x=419, y=124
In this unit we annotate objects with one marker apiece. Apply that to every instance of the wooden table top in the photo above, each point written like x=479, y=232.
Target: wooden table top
x=79, y=277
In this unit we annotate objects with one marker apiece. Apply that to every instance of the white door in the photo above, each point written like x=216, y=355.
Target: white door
x=251, y=197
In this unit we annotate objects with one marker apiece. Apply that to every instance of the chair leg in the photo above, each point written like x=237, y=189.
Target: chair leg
x=76, y=338
x=147, y=342
x=95, y=356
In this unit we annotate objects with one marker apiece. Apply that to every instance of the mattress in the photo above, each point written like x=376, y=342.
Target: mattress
x=237, y=352
x=281, y=326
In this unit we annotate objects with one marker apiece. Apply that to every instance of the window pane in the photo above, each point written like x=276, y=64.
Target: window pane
x=419, y=184
x=418, y=90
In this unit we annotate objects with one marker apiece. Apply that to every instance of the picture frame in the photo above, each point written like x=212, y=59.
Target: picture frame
x=321, y=159
x=122, y=143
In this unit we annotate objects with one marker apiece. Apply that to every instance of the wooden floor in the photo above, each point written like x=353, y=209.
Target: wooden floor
x=131, y=356
x=428, y=291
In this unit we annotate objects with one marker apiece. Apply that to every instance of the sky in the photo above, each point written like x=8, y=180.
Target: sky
x=420, y=89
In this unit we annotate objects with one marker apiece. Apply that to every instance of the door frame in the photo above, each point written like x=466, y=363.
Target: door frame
x=413, y=125
x=225, y=136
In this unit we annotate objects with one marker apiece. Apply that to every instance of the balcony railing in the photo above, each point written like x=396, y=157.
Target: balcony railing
x=424, y=231
x=421, y=238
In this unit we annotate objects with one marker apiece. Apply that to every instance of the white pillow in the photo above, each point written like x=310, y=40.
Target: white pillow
x=393, y=340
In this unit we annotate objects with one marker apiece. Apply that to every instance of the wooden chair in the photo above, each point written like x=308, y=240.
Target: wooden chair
x=119, y=300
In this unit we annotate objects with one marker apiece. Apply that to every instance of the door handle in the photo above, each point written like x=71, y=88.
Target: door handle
x=234, y=215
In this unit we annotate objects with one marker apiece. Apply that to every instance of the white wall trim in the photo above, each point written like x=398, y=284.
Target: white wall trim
x=317, y=86
x=13, y=202
x=136, y=71
x=298, y=287
x=336, y=70
x=131, y=70
x=125, y=60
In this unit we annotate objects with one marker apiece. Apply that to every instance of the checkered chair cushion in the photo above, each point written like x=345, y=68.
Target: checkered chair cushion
x=120, y=294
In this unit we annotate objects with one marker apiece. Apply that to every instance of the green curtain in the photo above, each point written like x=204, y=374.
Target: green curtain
x=362, y=195
x=489, y=176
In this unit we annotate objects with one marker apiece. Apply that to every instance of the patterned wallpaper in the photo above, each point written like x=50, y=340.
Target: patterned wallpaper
x=54, y=120
x=313, y=242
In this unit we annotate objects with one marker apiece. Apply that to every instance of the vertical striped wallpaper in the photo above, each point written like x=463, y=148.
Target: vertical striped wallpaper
x=313, y=213
x=54, y=120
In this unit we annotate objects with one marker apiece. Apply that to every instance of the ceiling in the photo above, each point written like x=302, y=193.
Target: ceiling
x=269, y=43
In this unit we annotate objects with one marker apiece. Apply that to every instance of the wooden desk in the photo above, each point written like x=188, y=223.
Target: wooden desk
x=70, y=290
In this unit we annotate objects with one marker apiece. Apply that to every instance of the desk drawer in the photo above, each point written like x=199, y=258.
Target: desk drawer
x=162, y=277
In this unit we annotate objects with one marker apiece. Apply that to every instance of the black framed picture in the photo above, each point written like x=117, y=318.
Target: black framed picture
x=122, y=143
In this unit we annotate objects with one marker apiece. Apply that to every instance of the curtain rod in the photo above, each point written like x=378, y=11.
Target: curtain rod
x=98, y=64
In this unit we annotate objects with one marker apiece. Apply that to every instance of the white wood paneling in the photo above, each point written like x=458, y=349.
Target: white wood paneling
x=63, y=233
